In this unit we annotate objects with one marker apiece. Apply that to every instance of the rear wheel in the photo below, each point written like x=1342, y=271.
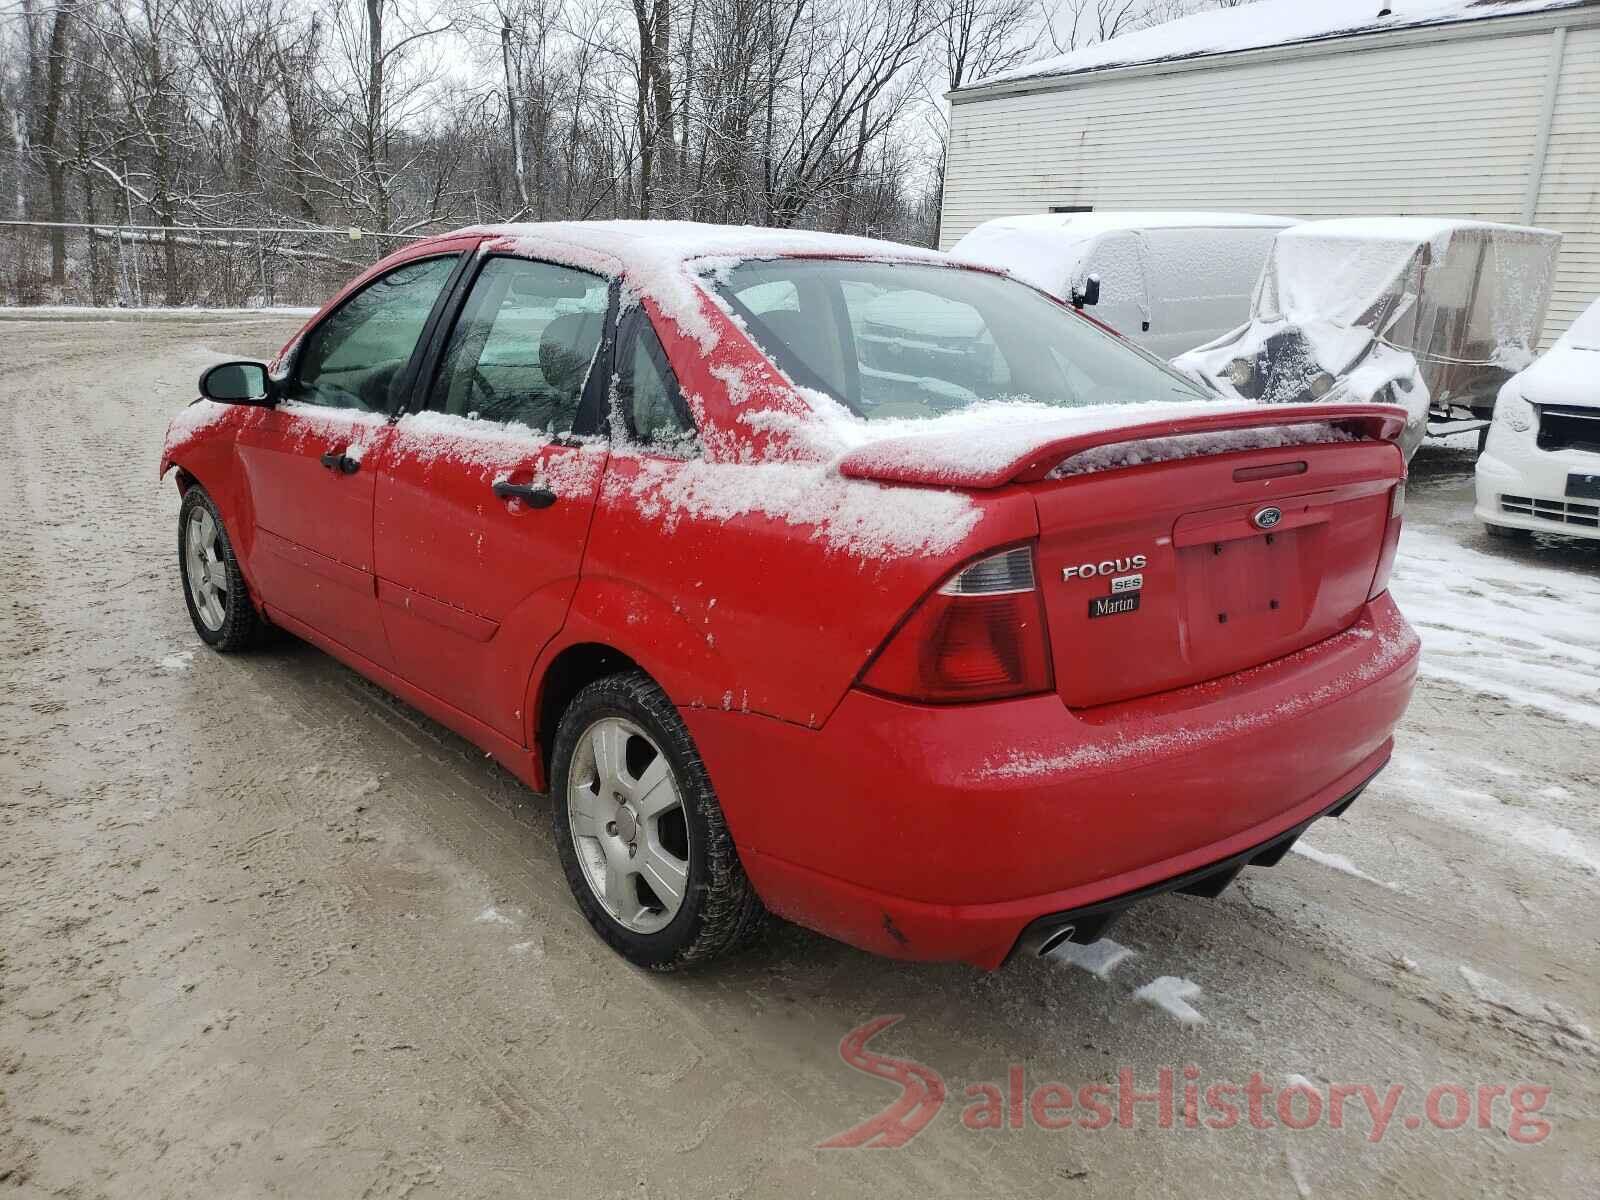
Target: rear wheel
x=213, y=586
x=641, y=835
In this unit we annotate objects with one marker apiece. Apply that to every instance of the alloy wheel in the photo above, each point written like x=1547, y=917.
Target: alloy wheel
x=628, y=825
x=205, y=568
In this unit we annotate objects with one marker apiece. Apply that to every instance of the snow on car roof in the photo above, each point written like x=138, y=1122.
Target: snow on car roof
x=1049, y=250
x=653, y=257
x=1335, y=270
x=1414, y=231
x=650, y=243
x=1264, y=24
x=1091, y=224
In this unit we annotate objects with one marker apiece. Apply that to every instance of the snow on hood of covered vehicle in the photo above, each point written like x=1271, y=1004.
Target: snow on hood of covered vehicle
x=661, y=260
x=992, y=445
x=1585, y=331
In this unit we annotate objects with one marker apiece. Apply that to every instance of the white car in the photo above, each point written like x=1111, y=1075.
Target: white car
x=1540, y=470
x=1169, y=281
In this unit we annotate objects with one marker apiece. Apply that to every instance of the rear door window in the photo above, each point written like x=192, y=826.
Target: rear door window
x=521, y=350
x=648, y=397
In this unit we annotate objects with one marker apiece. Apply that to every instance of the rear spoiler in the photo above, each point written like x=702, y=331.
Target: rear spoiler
x=967, y=462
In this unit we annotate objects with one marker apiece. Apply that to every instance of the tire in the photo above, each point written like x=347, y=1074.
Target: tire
x=213, y=586
x=1507, y=533
x=635, y=819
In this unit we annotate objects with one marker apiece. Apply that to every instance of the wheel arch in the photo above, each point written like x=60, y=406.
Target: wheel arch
x=211, y=468
x=572, y=669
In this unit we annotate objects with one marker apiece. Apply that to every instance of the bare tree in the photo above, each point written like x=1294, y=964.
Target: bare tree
x=653, y=96
x=851, y=84
x=47, y=144
x=267, y=115
x=1069, y=24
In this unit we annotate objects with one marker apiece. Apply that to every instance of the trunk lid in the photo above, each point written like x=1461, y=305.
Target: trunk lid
x=1217, y=592
x=1181, y=551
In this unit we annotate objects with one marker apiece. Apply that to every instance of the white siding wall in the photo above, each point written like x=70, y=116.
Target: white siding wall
x=1446, y=128
x=1570, y=198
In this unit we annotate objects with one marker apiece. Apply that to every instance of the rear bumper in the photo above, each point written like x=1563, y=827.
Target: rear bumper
x=942, y=833
x=1090, y=922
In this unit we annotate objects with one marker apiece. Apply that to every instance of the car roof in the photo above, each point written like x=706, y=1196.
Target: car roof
x=646, y=245
x=651, y=258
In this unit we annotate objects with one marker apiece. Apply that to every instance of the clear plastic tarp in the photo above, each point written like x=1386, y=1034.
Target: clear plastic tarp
x=1432, y=314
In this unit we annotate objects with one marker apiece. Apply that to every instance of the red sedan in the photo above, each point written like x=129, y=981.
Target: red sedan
x=814, y=576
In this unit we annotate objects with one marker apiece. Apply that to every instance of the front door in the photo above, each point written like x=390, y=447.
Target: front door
x=484, y=497
x=307, y=461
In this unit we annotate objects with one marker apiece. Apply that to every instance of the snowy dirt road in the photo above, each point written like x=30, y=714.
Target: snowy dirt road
x=265, y=931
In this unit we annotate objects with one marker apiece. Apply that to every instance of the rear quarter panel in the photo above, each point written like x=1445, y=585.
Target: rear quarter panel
x=755, y=608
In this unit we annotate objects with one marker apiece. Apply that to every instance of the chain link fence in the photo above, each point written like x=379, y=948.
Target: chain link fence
x=140, y=266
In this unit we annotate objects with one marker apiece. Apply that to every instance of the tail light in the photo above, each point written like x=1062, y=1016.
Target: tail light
x=1391, y=541
x=981, y=636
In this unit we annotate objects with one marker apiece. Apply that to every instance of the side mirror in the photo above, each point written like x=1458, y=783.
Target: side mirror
x=236, y=383
x=1089, y=295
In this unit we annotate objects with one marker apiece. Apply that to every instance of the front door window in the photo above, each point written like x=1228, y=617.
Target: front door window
x=356, y=358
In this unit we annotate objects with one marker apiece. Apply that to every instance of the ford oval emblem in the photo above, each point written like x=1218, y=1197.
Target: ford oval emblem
x=1267, y=518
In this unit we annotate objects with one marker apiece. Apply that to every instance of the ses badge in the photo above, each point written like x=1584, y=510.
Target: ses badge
x=1124, y=598
x=1125, y=589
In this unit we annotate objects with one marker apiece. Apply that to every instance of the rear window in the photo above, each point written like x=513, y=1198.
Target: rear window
x=906, y=340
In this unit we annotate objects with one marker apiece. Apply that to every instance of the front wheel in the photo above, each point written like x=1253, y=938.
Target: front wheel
x=213, y=586
x=642, y=838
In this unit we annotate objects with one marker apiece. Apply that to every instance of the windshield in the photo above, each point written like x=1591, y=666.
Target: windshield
x=906, y=340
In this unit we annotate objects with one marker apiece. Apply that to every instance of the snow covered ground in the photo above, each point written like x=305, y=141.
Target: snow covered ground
x=265, y=930
x=1501, y=625
x=84, y=312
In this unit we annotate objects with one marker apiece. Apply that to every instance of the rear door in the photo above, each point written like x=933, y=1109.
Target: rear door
x=486, y=491
x=307, y=461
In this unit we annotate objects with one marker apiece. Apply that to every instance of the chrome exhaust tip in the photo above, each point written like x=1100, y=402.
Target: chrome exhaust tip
x=1049, y=939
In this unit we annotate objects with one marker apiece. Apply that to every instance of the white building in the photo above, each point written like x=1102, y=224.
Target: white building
x=1486, y=109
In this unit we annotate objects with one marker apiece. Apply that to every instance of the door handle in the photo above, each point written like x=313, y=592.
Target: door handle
x=530, y=494
x=336, y=460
